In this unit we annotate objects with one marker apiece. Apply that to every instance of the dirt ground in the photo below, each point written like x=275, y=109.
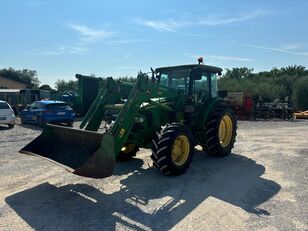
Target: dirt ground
x=263, y=185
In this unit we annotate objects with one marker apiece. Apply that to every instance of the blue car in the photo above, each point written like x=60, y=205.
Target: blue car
x=49, y=111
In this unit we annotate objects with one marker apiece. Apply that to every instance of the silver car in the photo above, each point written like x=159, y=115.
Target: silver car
x=7, y=115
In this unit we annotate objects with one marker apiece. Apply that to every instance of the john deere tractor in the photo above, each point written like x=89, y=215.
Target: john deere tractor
x=170, y=110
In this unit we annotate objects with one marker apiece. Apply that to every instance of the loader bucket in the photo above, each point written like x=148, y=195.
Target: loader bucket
x=84, y=153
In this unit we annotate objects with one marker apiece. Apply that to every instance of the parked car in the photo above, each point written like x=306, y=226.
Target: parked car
x=6, y=114
x=49, y=111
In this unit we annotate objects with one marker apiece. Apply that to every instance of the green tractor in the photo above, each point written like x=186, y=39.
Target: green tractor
x=170, y=111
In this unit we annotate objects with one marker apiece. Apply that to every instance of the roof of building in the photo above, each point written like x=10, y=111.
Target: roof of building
x=9, y=90
x=15, y=79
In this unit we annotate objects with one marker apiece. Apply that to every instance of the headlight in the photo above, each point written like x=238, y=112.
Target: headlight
x=139, y=120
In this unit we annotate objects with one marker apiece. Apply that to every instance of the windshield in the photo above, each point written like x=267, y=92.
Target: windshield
x=58, y=106
x=4, y=105
x=177, y=79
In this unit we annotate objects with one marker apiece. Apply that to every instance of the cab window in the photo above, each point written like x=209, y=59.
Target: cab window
x=180, y=83
x=214, y=87
x=164, y=80
x=201, y=88
x=178, y=79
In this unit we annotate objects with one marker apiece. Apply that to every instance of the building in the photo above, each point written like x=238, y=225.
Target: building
x=6, y=83
x=12, y=96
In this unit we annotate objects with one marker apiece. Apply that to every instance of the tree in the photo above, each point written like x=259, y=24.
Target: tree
x=128, y=79
x=63, y=86
x=300, y=94
x=31, y=77
x=270, y=85
x=238, y=73
x=46, y=87
x=293, y=70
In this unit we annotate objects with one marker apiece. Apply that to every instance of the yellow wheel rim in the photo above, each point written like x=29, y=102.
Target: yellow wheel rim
x=128, y=148
x=180, y=150
x=225, y=131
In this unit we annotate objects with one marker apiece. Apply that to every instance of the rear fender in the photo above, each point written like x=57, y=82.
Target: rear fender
x=208, y=107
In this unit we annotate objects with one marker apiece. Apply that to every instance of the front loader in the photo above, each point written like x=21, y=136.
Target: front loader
x=171, y=112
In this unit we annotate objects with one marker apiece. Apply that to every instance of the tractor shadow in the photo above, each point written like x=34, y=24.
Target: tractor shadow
x=146, y=199
x=35, y=127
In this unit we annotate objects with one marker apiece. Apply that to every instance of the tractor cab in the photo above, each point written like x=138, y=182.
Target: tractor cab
x=197, y=81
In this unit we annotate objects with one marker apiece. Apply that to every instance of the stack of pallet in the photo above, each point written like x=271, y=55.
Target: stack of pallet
x=301, y=115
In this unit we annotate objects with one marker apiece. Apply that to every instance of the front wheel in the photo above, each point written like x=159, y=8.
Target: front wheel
x=22, y=118
x=128, y=152
x=173, y=149
x=70, y=123
x=220, y=132
x=11, y=125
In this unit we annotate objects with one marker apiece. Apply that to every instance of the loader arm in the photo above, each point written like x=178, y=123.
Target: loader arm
x=142, y=92
x=111, y=93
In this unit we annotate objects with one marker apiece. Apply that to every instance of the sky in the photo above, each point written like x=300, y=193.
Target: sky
x=119, y=38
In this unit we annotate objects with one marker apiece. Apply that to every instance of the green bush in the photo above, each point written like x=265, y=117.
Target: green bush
x=300, y=93
x=270, y=85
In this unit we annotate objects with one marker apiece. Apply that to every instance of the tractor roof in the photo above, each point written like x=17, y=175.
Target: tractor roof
x=208, y=68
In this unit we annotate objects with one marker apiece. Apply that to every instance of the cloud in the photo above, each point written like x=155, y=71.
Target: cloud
x=220, y=58
x=89, y=34
x=229, y=58
x=195, y=35
x=172, y=25
x=292, y=49
x=126, y=41
x=169, y=25
x=60, y=51
x=291, y=46
x=219, y=20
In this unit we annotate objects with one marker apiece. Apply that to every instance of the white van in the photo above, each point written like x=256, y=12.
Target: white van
x=6, y=114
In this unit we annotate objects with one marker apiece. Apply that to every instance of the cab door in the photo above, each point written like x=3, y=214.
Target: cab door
x=201, y=89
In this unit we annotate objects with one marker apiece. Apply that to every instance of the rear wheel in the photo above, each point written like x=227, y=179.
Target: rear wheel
x=70, y=124
x=22, y=120
x=173, y=149
x=220, y=132
x=40, y=123
x=128, y=152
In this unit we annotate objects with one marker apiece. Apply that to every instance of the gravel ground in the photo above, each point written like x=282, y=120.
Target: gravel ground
x=261, y=186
